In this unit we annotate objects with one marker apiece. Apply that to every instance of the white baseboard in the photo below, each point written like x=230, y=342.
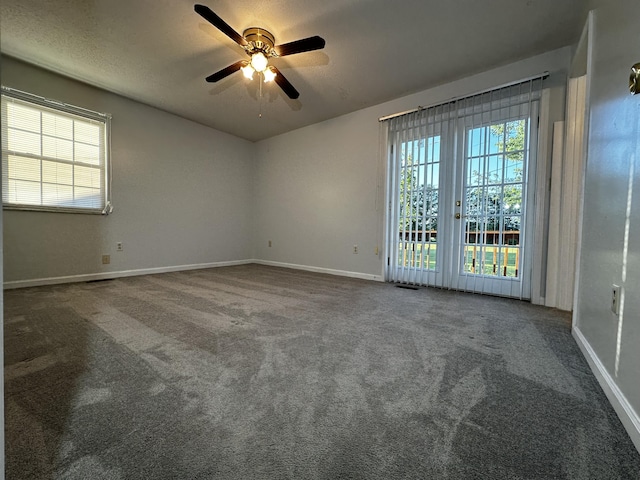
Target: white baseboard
x=628, y=416
x=119, y=274
x=37, y=282
x=330, y=271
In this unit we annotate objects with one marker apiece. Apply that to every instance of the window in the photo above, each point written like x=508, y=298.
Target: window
x=54, y=156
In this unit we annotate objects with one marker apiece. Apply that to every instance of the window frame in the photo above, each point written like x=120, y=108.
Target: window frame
x=44, y=105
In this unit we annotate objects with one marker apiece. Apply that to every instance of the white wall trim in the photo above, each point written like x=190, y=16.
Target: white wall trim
x=588, y=35
x=541, y=199
x=628, y=416
x=555, y=207
x=330, y=271
x=37, y=282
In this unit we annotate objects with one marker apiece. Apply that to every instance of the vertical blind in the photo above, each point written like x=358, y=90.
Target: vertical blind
x=54, y=156
x=437, y=151
x=418, y=142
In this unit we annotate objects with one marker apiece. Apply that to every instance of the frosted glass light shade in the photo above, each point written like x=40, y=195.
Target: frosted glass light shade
x=269, y=75
x=247, y=71
x=259, y=62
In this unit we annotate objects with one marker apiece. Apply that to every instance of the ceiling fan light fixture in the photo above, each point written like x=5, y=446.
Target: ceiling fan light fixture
x=269, y=75
x=259, y=62
x=247, y=71
x=260, y=46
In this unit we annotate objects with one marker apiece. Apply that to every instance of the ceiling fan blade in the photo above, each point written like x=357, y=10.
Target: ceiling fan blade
x=225, y=72
x=220, y=24
x=285, y=85
x=299, y=46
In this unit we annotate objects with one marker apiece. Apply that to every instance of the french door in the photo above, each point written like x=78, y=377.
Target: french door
x=460, y=193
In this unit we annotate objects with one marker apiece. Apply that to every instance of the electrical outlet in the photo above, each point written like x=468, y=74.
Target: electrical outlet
x=269, y=243
x=119, y=246
x=106, y=259
x=355, y=249
x=615, y=299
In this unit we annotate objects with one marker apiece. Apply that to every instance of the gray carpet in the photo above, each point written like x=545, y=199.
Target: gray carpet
x=254, y=372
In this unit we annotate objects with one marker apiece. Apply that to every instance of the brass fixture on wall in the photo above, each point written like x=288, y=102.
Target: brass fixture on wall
x=634, y=79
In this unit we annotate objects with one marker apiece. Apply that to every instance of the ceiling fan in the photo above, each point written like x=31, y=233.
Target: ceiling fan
x=259, y=45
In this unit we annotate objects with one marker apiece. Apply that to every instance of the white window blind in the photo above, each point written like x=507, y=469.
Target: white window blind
x=54, y=156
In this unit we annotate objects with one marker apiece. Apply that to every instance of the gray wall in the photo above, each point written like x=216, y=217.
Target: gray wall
x=611, y=220
x=186, y=194
x=317, y=191
x=181, y=192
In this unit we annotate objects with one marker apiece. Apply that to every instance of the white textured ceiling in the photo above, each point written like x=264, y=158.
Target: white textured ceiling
x=159, y=51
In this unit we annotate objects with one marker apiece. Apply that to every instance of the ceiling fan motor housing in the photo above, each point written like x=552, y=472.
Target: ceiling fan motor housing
x=260, y=40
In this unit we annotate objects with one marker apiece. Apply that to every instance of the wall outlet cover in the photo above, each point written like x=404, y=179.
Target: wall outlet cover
x=615, y=299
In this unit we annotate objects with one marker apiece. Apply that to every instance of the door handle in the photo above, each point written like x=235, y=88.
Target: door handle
x=458, y=216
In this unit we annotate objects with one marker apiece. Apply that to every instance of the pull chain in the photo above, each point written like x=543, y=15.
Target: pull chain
x=260, y=79
x=260, y=102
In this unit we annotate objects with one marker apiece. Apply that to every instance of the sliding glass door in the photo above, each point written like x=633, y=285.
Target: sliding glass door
x=418, y=146
x=491, y=222
x=460, y=191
